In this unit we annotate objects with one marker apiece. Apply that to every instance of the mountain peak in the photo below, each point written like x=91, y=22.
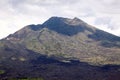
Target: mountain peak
x=53, y=20
x=75, y=21
x=66, y=26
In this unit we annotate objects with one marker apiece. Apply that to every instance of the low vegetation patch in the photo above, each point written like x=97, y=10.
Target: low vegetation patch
x=2, y=71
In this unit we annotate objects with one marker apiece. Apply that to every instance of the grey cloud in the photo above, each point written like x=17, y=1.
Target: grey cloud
x=103, y=21
x=108, y=6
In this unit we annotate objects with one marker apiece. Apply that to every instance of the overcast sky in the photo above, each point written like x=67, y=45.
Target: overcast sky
x=15, y=14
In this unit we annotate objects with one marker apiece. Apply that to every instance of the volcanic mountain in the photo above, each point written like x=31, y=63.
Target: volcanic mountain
x=60, y=49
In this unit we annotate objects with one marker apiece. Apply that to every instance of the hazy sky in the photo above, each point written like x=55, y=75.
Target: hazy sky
x=15, y=14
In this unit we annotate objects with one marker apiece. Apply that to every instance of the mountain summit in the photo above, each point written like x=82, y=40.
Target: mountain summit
x=74, y=21
x=56, y=44
x=66, y=26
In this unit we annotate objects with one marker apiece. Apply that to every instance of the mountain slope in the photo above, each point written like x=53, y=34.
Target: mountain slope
x=59, y=42
x=69, y=38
